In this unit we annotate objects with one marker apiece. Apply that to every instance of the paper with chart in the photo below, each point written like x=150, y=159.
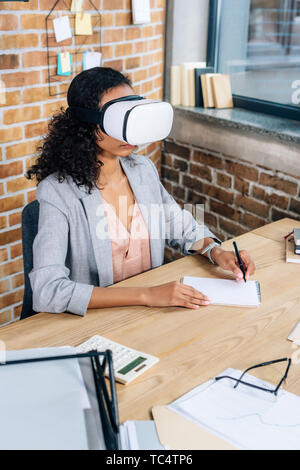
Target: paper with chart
x=245, y=417
x=227, y=292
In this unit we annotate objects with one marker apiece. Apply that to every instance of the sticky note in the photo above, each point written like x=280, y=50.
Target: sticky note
x=83, y=24
x=141, y=11
x=62, y=28
x=76, y=6
x=91, y=59
x=64, y=63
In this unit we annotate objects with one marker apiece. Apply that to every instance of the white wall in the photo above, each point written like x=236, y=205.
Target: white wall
x=190, y=23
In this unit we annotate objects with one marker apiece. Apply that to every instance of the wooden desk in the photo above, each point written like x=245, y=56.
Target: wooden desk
x=193, y=346
x=277, y=230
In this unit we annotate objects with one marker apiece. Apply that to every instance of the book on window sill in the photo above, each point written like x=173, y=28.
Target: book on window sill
x=198, y=86
x=175, y=94
x=206, y=84
x=221, y=89
x=188, y=82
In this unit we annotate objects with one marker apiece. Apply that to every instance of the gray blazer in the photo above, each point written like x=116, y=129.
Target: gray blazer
x=72, y=251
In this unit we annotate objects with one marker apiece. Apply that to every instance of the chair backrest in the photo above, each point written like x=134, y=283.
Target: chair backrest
x=30, y=219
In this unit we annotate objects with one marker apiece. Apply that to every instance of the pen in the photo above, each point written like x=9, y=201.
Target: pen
x=239, y=260
x=288, y=235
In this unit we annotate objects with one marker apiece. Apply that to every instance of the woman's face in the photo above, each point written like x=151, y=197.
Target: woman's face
x=109, y=145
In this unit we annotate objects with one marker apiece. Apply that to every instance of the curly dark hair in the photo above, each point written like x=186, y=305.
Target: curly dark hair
x=70, y=148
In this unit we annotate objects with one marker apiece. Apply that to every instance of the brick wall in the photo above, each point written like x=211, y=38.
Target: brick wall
x=238, y=196
x=135, y=50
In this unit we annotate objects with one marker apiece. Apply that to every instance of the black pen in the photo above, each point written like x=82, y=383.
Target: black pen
x=239, y=260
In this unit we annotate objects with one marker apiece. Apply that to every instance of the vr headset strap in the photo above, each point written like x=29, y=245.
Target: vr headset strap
x=87, y=115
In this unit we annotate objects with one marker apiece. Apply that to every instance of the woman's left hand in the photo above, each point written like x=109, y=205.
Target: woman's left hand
x=227, y=260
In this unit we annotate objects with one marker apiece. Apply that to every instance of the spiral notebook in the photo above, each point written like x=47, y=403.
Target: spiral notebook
x=227, y=292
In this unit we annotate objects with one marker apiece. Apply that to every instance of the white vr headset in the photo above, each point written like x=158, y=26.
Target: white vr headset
x=132, y=119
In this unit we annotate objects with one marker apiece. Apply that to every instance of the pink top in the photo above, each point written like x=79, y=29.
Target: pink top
x=130, y=249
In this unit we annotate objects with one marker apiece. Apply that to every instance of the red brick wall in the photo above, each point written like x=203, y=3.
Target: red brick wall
x=135, y=50
x=238, y=196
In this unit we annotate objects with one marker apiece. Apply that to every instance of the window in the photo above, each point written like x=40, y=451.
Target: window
x=257, y=42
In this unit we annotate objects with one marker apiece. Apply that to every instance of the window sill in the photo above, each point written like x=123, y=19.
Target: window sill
x=281, y=129
x=261, y=139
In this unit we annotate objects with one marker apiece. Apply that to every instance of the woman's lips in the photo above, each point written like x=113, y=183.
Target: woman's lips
x=128, y=146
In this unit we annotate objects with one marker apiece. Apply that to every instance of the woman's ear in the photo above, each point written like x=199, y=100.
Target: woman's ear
x=99, y=133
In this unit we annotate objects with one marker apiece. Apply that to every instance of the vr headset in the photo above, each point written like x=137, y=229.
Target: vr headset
x=131, y=119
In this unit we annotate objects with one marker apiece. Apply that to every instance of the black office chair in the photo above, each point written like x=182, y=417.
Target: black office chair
x=30, y=219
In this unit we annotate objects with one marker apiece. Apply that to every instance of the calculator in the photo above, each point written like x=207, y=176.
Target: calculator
x=128, y=363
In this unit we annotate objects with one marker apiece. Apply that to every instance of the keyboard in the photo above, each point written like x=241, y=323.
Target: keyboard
x=128, y=363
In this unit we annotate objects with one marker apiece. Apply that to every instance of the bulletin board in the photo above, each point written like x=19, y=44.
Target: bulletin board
x=76, y=46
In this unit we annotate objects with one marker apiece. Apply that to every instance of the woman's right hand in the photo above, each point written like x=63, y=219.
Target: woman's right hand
x=175, y=294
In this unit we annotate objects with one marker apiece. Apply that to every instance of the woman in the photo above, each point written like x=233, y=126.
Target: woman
x=104, y=215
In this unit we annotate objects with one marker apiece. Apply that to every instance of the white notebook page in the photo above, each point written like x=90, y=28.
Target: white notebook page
x=227, y=292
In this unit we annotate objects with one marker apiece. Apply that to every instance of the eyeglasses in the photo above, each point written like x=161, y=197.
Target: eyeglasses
x=264, y=364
